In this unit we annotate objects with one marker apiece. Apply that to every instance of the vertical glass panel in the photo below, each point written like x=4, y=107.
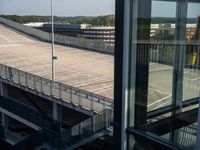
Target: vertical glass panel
x=167, y=71
x=161, y=54
x=191, y=84
x=131, y=142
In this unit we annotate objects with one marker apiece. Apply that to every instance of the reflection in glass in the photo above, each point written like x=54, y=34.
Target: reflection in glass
x=191, y=83
x=161, y=54
x=168, y=73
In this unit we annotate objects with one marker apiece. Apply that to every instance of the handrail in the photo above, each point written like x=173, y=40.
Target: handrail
x=26, y=112
x=170, y=108
x=56, y=89
x=170, y=43
x=87, y=128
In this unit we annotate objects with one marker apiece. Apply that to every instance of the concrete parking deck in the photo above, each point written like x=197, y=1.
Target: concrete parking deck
x=87, y=70
x=83, y=69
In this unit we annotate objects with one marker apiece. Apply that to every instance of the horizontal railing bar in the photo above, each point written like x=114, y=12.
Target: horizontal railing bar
x=170, y=108
x=170, y=43
x=153, y=139
x=54, y=88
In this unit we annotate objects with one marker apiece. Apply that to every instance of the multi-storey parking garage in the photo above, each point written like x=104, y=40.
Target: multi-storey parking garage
x=83, y=69
x=77, y=108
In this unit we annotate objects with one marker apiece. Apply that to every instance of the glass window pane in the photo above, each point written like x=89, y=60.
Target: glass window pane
x=161, y=54
x=191, y=84
x=167, y=70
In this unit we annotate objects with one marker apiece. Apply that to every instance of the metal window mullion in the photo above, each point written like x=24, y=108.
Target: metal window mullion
x=198, y=129
x=179, y=60
x=179, y=52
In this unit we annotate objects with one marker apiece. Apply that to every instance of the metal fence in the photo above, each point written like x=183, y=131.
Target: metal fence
x=98, y=123
x=163, y=53
x=95, y=45
x=26, y=112
x=187, y=135
x=107, y=35
x=59, y=91
x=50, y=132
x=38, y=139
x=163, y=61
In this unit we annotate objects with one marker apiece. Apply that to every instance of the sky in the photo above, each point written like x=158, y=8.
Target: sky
x=85, y=8
x=61, y=7
x=168, y=9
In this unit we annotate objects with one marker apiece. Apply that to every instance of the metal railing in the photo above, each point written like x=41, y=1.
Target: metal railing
x=95, y=45
x=50, y=129
x=37, y=139
x=86, y=129
x=107, y=35
x=163, y=53
x=59, y=91
x=162, y=63
x=187, y=134
x=26, y=112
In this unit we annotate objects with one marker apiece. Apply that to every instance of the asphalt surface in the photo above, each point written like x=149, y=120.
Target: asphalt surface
x=83, y=69
x=87, y=70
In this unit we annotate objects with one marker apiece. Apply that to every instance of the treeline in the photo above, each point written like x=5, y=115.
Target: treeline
x=26, y=19
x=158, y=20
x=108, y=20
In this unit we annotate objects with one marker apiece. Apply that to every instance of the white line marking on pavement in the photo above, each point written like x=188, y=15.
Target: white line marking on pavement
x=195, y=79
x=106, y=89
x=103, y=88
x=85, y=81
x=10, y=45
x=5, y=38
x=159, y=91
x=161, y=105
x=187, y=70
x=160, y=69
x=159, y=100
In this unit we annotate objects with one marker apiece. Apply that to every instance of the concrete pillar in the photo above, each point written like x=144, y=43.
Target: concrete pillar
x=4, y=92
x=57, y=111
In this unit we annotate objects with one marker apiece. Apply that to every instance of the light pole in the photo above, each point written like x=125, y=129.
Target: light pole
x=52, y=46
x=56, y=110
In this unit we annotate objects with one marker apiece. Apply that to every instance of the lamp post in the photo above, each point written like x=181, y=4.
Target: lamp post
x=52, y=46
x=56, y=109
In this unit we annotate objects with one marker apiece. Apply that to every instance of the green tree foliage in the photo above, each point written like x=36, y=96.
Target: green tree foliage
x=108, y=20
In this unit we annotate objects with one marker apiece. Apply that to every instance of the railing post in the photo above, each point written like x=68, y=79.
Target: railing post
x=60, y=91
x=34, y=79
x=51, y=86
x=4, y=92
x=107, y=119
x=91, y=103
x=80, y=128
x=26, y=79
x=71, y=95
x=41, y=85
x=18, y=76
x=93, y=124
x=79, y=100
x=6, y=70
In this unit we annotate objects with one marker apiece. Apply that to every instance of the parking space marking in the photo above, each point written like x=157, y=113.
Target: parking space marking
x=10, y=45
x=159, y=100
x=159, y=91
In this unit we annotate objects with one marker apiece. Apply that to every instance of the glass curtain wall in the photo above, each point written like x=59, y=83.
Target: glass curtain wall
x=166, y=42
